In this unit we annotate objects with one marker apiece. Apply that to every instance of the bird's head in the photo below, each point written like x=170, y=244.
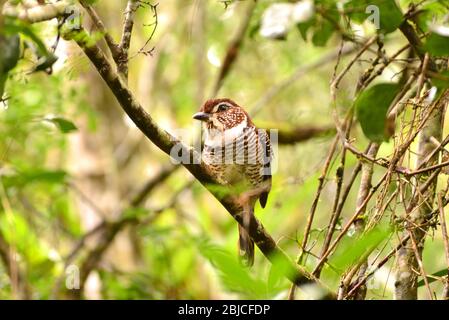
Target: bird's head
x=222, y=115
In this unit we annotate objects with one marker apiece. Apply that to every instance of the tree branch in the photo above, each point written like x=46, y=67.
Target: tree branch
x=359, y=224
x=168, y=143
x=113, y=47
x=37, y=13
x=408, y=259
x=406, y=280
x=122, y=62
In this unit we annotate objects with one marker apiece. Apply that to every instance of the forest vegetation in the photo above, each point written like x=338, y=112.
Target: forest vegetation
x=97, y=99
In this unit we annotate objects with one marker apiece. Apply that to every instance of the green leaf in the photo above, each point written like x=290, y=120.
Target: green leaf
x=64, y=125
x=431, y=12
x=135, y=213
x=431, y=279
x=280, y=268
x=14, y=26
x=437, y=43
x=390, y=15
x=253, y=30
x=16, y=229
x=441, y=80
x=233, y=275
x=352, y=250
x=371, y=109
x=35, y=175
x=303, y=27
x=322, y=25
x=45, y=58
x=323, y=33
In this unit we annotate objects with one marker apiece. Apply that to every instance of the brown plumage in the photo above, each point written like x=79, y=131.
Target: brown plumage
x=238, y=155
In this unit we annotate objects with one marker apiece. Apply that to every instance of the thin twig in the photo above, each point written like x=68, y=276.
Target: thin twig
x=420, y=264
x=125, y=41
x=113, y=47
x=378, y=266
x=445, y=242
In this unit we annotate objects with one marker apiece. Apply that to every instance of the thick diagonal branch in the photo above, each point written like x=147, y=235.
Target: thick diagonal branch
x=167, y=143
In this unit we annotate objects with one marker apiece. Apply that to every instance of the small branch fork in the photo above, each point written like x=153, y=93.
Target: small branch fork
x=122, y=61
x=120, y=51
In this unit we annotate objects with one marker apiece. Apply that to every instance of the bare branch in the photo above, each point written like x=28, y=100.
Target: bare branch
x=445, y=242
x=359, y=224
x=113, y=47
x=298, y=134
x=122, y=63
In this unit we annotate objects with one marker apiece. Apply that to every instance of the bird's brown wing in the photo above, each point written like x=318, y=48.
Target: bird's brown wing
x=267, y=157
x=267, y=170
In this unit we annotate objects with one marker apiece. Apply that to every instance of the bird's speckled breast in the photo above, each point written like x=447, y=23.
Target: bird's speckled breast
x=230, y=162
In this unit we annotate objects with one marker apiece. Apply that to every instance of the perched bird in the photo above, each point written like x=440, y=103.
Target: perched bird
x=238, y=155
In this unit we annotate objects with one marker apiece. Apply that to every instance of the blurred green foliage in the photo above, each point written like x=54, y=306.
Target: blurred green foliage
x=50, y=107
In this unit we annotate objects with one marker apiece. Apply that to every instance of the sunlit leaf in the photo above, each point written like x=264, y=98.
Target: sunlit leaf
x=233, y=274
x=353, y=249
x=32, y=175
x=17, y=230
x=279, y=269
x=431, y=12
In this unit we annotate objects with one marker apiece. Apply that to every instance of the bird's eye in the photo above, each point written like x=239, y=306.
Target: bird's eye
x=222, y=107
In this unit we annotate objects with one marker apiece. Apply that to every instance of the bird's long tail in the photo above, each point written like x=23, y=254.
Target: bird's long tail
x=246, y=244
x=246, y=247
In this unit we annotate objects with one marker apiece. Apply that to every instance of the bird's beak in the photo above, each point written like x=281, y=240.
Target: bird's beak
x=202, y=116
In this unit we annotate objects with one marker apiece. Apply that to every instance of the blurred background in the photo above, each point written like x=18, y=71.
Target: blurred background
x=85, y=197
